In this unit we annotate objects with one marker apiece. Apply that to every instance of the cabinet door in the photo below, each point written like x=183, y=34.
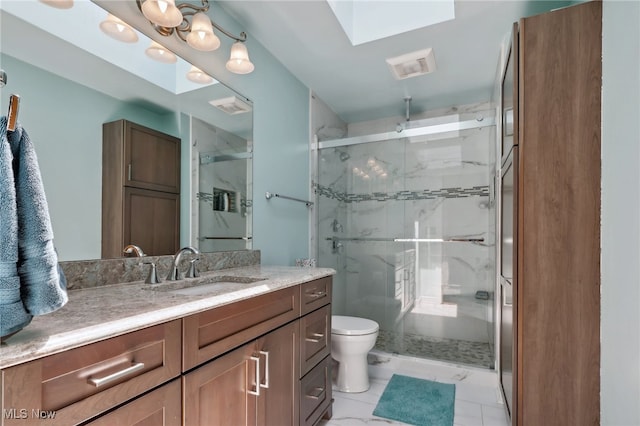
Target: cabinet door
x=152, y=221
x=152, y=159
x=163, y=406
x=278, y=352
x=223, y=392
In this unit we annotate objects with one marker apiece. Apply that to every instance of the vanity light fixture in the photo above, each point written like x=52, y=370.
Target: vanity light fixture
x=118, y=29
x=193, y=26
x=196, y=75
x=160, y=53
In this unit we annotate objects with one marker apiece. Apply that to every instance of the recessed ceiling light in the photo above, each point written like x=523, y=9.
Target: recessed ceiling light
x=412, y=64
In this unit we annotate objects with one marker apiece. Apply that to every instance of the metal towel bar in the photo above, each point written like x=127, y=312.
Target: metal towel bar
x=270, y=195
x=411, y=240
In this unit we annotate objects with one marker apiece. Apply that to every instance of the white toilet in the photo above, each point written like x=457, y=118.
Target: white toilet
x=351, y=340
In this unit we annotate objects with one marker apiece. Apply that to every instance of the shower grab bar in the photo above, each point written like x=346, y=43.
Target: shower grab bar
x=224, y=238
x=269, y=195
x=410, y=240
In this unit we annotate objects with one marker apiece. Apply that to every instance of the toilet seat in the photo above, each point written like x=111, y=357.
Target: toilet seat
x=352, y=326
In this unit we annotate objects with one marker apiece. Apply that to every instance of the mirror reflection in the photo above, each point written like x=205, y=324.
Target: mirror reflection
x=73, y=78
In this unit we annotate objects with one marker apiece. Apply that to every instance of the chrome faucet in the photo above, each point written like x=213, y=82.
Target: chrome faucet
x=174, y=273
x=132, y=248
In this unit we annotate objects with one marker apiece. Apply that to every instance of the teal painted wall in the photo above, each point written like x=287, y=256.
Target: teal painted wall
x=281, y=148
x=620, y=233
x=281, y=144
x=70, y=150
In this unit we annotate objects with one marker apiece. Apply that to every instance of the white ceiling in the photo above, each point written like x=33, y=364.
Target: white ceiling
x=355, y=80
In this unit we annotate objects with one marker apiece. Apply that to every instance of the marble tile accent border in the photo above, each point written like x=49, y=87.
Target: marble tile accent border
x=425, y=194
x=99, y=272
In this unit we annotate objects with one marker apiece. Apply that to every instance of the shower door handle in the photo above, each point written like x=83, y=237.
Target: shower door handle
x=507, y=292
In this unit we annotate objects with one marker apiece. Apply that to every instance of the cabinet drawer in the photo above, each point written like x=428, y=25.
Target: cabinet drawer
x=315, y=294
x=214, y=332
x=315, y=338
x=162, y=406
x=315, y=393
x=81, y=383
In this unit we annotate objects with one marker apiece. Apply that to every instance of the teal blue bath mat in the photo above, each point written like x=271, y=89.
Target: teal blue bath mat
x=417, y=402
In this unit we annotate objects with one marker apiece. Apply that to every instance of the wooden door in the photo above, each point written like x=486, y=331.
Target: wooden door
x=224, y=391
x=278, y=403
x=152, y=221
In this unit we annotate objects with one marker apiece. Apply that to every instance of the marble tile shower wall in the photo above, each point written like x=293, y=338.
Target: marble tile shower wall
x=397, y=189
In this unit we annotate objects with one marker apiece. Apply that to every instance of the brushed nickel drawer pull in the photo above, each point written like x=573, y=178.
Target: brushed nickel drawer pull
x=317, y=294
x=266, y=370
x=318, y=337
x=257, y=391
x=318, y=392
x=117, y=375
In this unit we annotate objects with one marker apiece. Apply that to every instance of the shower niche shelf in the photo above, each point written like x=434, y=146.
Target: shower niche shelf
x=225, y=200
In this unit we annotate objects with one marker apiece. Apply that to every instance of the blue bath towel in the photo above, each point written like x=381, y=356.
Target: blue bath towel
x=41, y=281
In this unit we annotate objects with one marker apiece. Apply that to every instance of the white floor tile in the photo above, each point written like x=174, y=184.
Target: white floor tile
x=478, y=401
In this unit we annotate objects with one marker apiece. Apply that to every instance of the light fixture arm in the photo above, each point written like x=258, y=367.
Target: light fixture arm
x=184, y=28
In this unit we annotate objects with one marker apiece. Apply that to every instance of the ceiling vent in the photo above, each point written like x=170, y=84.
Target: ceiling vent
x=412, y=64
x=231, y=105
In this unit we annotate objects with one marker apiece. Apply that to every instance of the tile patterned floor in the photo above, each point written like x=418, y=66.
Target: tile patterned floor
x=478, y=400
x=450, y=350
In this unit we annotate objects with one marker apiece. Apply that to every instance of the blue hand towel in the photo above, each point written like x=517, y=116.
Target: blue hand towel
x=42, y=282
x=13, y=315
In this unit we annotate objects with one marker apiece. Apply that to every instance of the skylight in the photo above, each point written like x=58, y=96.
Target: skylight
x=365, y=21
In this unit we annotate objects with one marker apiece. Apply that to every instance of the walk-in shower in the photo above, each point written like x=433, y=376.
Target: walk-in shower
x=405, y=219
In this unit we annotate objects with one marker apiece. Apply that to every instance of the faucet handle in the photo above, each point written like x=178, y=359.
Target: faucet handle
x=152, y=278
x=193, y=269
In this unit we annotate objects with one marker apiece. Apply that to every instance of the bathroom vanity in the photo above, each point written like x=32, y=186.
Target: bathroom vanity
x=240, y=346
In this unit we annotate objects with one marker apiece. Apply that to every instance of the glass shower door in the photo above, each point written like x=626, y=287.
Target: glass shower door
x=404, y=223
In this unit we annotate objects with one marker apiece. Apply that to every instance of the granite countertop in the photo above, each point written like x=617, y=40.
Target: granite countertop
x=99, y=313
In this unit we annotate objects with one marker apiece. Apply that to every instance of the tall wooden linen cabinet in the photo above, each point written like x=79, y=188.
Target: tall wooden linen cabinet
x=550, y=219
x=140, y=189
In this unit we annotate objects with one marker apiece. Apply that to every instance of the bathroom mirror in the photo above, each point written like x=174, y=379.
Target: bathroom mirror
x=72, y=78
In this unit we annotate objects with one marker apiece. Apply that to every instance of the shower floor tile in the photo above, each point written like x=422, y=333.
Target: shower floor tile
x=476, y=354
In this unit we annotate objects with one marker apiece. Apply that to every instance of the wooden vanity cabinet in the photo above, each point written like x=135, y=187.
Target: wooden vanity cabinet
x=315, y=351
x=140, y=189
x=255, y=384
x=265, y=360
x=162, y=406
x=282, y=377
x=79, y=384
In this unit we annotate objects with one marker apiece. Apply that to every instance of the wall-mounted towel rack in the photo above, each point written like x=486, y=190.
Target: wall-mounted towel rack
x=270, y=195
x=224, y=238
x=410, y=240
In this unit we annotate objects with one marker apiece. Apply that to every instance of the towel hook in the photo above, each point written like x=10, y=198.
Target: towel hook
x=12, y=116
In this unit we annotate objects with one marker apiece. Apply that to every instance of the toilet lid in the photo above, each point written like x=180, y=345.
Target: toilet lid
x=352, y=326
